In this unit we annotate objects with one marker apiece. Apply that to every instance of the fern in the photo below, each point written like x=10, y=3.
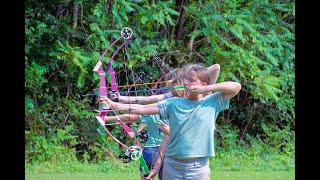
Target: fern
x=95, y=28
x=286, y=34
x=171, y=11
x=246, y=25
x=98, y=10
x=272, y=59
x=237, y=31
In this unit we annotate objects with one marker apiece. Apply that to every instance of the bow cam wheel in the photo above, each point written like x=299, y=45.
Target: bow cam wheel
x=127, y=32
x=136, y=152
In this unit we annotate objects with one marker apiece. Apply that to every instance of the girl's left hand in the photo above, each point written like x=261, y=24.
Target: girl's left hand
x=164, y=127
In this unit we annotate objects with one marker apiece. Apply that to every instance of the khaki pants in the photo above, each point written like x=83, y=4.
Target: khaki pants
x=192, y=169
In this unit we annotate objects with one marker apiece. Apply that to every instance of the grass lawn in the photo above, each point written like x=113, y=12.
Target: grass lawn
x=219, y=175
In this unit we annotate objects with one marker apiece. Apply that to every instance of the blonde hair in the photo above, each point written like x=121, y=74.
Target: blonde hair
x=181, y=76
x=187, y=67
x=201, y=72
x=176, y=72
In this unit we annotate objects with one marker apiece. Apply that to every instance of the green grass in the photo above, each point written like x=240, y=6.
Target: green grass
x=219, y=175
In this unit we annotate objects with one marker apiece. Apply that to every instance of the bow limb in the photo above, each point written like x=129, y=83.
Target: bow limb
x=125, y=127
x=105, y=52
x=114, y=87
x=101, y=121
x=125, y=33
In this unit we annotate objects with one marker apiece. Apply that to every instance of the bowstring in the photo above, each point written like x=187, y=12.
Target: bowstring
x=134, y=82
x=163, y=64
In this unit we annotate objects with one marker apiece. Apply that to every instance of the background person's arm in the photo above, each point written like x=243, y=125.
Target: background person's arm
x=157, y=165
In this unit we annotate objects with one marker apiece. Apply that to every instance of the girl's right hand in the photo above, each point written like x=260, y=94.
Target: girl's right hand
x=152, y=174
x=114, y=96
x=131, y=134
x=106, y=100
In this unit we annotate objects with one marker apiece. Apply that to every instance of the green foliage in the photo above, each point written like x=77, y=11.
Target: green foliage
x=274, y=151
x=55, y=149
x=160, y=13
x=253, y=41
x=34, y=75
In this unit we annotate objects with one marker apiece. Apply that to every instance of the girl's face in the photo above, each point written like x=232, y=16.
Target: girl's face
x=193, y=80
x=179, y=93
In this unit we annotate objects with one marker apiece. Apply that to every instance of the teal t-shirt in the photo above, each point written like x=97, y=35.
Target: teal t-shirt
x=192, y=124
x=155, y=135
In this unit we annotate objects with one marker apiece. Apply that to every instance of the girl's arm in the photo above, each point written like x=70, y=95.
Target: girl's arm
x=142, y=99
x=126, y=118
x=229, y=89
x=139, y=99
x=214, y=71
x=138, y=109
x=164, y=127
x=141, y=127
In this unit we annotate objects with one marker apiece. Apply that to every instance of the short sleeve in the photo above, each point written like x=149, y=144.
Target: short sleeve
x=222, y=102
x=163, y=108
x=143, y=119
x=168, y=95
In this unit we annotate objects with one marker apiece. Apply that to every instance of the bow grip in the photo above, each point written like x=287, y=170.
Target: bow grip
x=114, y=87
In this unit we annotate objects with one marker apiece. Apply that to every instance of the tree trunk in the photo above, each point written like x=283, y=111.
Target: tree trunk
x=190, y=44
x=66, y=8
x=58, y=10
x=75, y=15
x=181, y=20
x=162, y=30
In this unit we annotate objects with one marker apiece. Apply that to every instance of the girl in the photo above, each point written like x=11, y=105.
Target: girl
x=191, y=122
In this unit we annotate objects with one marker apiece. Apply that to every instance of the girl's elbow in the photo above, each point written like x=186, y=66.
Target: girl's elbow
x=237, y=87
x=217, y=66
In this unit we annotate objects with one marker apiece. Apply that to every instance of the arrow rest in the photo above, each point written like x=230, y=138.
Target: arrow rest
x=143, y=136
